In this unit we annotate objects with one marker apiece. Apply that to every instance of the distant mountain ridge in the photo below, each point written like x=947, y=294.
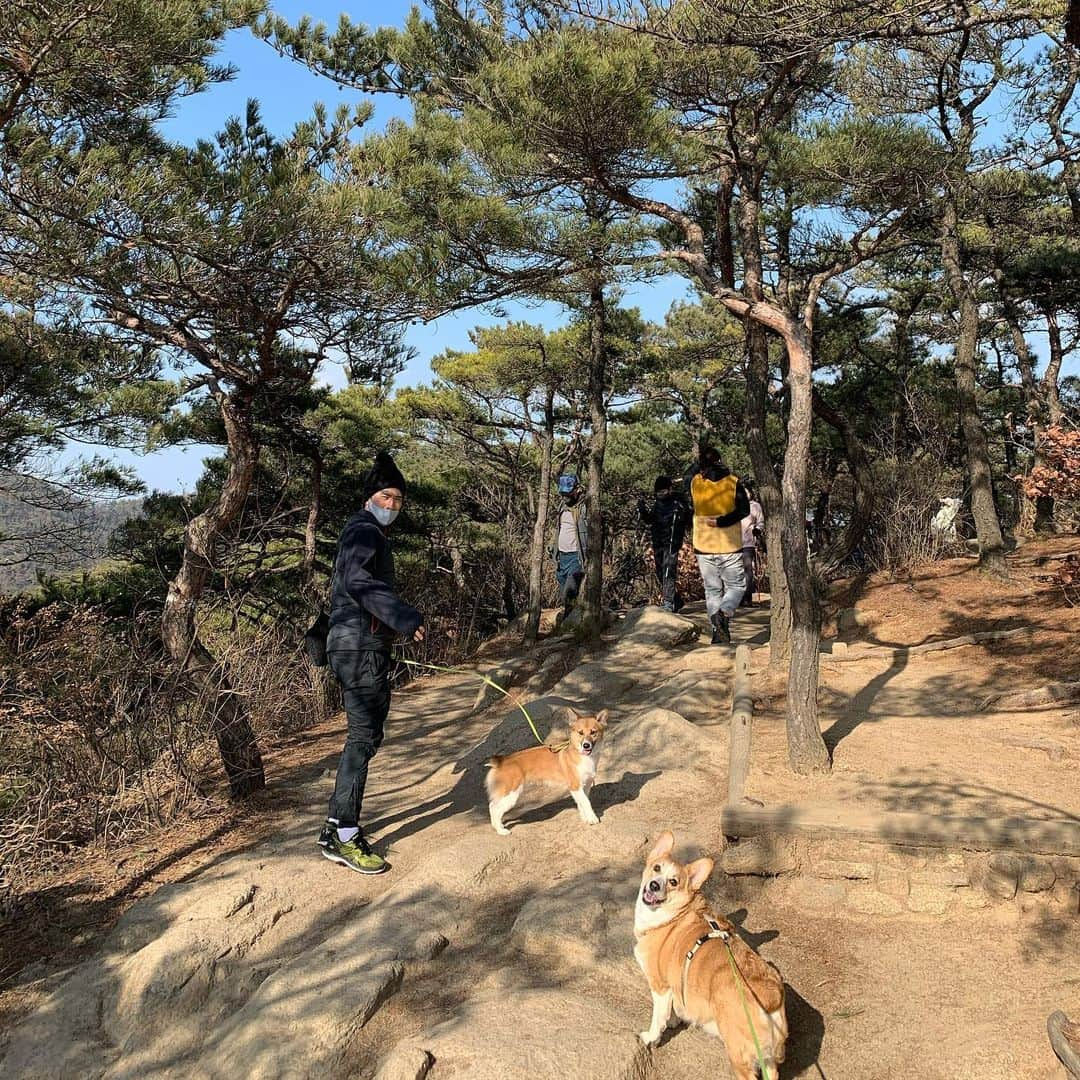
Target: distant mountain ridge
x=38, y=535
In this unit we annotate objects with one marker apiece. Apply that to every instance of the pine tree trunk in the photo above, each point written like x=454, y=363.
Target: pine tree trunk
x=768, y=487
x=863, y=478
x=1051, y=395
x=322, y=683
x=1033, y=399
x=311, y=527
x=538, y=551
x=205, y=681
x=806, y=748
x=980, y=477
x=594, y=574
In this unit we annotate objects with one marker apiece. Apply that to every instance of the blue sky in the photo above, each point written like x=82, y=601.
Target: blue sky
x=286, y=92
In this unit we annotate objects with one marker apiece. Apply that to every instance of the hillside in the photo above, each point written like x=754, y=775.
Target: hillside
x=38, y=535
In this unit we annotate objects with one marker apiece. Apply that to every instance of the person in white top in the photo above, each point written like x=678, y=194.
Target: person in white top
x=752, y=526
x=571, y=541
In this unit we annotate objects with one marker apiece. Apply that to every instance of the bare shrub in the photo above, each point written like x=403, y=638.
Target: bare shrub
x=629, y=574
x=98, y=740
x=907, y=498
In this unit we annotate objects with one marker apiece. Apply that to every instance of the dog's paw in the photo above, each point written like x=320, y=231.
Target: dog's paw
x=503, y=831
x=590, y=819
x=648, y=1038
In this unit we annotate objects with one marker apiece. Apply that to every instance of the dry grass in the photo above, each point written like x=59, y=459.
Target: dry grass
x=98, y=742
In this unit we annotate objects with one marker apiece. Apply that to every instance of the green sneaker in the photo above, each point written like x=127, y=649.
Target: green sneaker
x=356, y=854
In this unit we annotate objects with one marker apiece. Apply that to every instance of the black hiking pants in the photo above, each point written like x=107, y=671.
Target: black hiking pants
x=667, y=574
x=364, y=675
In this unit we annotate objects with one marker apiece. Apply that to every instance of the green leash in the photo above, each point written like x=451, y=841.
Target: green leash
x=476, y=675
x=715, y=931
x=746, y=1008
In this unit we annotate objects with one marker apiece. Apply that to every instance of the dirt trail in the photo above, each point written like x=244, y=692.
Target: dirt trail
x=482, y=956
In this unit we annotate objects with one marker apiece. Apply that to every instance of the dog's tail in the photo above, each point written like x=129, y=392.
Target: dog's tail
x=489, y=781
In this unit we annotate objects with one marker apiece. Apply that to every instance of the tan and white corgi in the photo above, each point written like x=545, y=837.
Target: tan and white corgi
x=570, y=768
x=687, y=953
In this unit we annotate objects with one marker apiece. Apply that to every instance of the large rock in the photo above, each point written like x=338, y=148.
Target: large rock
x=35, y=1050
x=654, y=628
x=311, y=1023
x=661, y=739
x=596, y=684
x=317, y=1002
x=162, y=982
x=204, y=997
x=510, y=673
x=513, y=732
x=703, y=697
x=546, y=1033
x=586, y=921
x=407, y=1061
x=164, y=988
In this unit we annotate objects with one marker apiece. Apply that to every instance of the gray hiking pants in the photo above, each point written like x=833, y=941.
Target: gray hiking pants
x=725, y=581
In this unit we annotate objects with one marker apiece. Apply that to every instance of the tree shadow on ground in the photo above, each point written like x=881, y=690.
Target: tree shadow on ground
x=604, y=796
x=927, y=795
x=754, y=940
x=857, y=710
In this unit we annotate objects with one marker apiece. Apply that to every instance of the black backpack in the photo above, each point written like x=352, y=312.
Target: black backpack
x=316, y=634
x=315, y=639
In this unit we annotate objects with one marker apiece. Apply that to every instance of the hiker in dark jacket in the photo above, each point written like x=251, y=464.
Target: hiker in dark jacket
x=366, y=614
x=667, y=520
x=720, y=503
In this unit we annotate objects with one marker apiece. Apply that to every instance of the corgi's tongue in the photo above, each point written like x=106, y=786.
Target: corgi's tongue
x=650, y=899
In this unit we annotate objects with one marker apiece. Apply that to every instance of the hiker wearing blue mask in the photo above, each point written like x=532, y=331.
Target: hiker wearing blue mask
x=570, y=545
x=366, y=614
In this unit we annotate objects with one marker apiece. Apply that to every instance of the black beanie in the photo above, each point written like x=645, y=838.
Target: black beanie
x=663, y=483
x=383, y=474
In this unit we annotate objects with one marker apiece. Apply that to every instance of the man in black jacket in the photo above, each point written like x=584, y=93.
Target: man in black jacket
x=365, y=615
x=667, y=521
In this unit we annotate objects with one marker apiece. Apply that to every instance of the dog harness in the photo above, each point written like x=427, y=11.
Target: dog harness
x=716, y=931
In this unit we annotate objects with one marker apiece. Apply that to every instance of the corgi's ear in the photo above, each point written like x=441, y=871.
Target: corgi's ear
x=662, y=848
x=700, y=870
x=602, y=717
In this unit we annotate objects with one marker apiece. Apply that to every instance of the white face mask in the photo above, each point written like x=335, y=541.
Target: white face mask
x=383, y=515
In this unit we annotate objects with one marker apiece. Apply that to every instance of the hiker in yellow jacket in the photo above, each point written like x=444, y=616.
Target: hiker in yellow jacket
x=720, y=503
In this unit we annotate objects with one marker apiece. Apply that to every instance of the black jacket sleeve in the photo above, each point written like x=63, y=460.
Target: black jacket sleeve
x=647, y=516
x=685, y=511
x=688, y=490
x=361, y=545
x=742, y=508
